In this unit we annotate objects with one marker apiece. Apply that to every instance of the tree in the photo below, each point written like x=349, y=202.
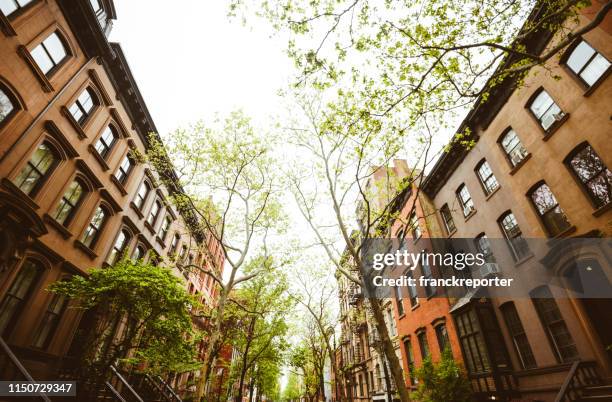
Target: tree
x=261, y=306
x=292, y=391
x=443, y=381
x=148, y=302
x=230, y=192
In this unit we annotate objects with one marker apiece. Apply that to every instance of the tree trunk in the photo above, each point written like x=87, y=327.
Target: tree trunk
x=394, y=364
x=387, y=382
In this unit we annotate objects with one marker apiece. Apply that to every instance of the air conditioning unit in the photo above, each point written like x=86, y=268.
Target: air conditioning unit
x=548, y=121
x=559, y=116
x=489, y=268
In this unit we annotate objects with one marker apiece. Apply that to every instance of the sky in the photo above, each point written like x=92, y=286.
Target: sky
x=192, y=61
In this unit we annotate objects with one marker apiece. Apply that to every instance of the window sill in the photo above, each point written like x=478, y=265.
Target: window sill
x=492, y=193
x=552, y=130
x=160, y=241
x=469, y=216
x=98, y=157
x=563, y=234
x=602, y=210
x=118, y=184
x=66, y=234
x=450, y=234
x=523, y=260
x=137, y=210
x=150, y=228
x=415, y=306
x=81, y=246
x=75, y=124
x=520, y=164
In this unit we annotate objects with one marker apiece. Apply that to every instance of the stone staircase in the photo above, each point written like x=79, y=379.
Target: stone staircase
x=598, y=393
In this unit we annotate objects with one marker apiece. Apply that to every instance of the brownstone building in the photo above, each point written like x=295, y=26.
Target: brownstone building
x=72, y=193
x=539, y=169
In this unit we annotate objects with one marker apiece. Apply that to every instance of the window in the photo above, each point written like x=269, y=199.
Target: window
x=430, y=290
x=100, y=12
x=124, y=170
x=554, y=325
x=422, y=337
x=175, y=243
x=119, y=247
x=548, y=208
x=391, y=323
x=7, y=105
x=409, y=359
x=442, y=337
x=487, y=179
x=154, y=213
x=10, y=6
x=519, y=338
x=81, y=108
x=513, y=148
x=183, y=253
x=49, y=53
x=69, y=203
x=514, y=236
x=139, y=252
x=412, y=292
x=18, y=294
x=106, y=142
x=92, y=233
x=483, y=245
x=592, y=173
x=165, y=228
x=587, y=63
x=414, y=226
x=470, y=335
x=141, y=196
x=50, y=321
x=465, y=200
x=545, y=110
x=398, y=298
x=31, y=177
x=447, y=218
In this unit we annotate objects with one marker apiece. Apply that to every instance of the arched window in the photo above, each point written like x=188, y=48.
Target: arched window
x=519, y=337
x=124, y=170
x=442, y=336
x=8, y=7
x=142, y=194
x=557, y=332
x=465, y=200
x=66, y=208
x=514, y=150
x=155, y=210
x=106, y=141
x=119, y=247
x=486, y=177
x=447, y=217
x=588, y=64
x=545, y=110
x=8, y=106
x=548, y=208
x=175, y=243
x=50, y=53
x=483, y=245
x=18, y=295
x=83, y=106
x=592, y=173
x=139, y=252
x=94, y=228
x=423, y=345
x=514, y=236
x=39, y=167
x=409, y=360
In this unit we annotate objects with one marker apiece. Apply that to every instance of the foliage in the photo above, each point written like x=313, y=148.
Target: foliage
x=442, y=382
x=292, y=391
x=149, y=301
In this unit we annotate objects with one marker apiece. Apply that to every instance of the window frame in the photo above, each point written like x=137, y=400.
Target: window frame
x=507, y=156
x=445, y=208
x=576, y=74
x=73, y=207
x=510, y=239
x=523, y=355
x=56, y=66
x=98, y=230
x=85, y=115
x=125, y=174
x=20, y=9
x=144, y=199
x=15, y=103
x=583, y=184
x=557, y=121
x=43, y=178
x=463, y=203
x=423, y=344
x=122, y=251
x=54, y=324
x=442, y=338
x=108, y=148
x=483, y=180
x=27, y=297
x=542, y=215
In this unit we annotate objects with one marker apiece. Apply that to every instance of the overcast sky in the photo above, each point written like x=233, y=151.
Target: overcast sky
x=192, y=61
